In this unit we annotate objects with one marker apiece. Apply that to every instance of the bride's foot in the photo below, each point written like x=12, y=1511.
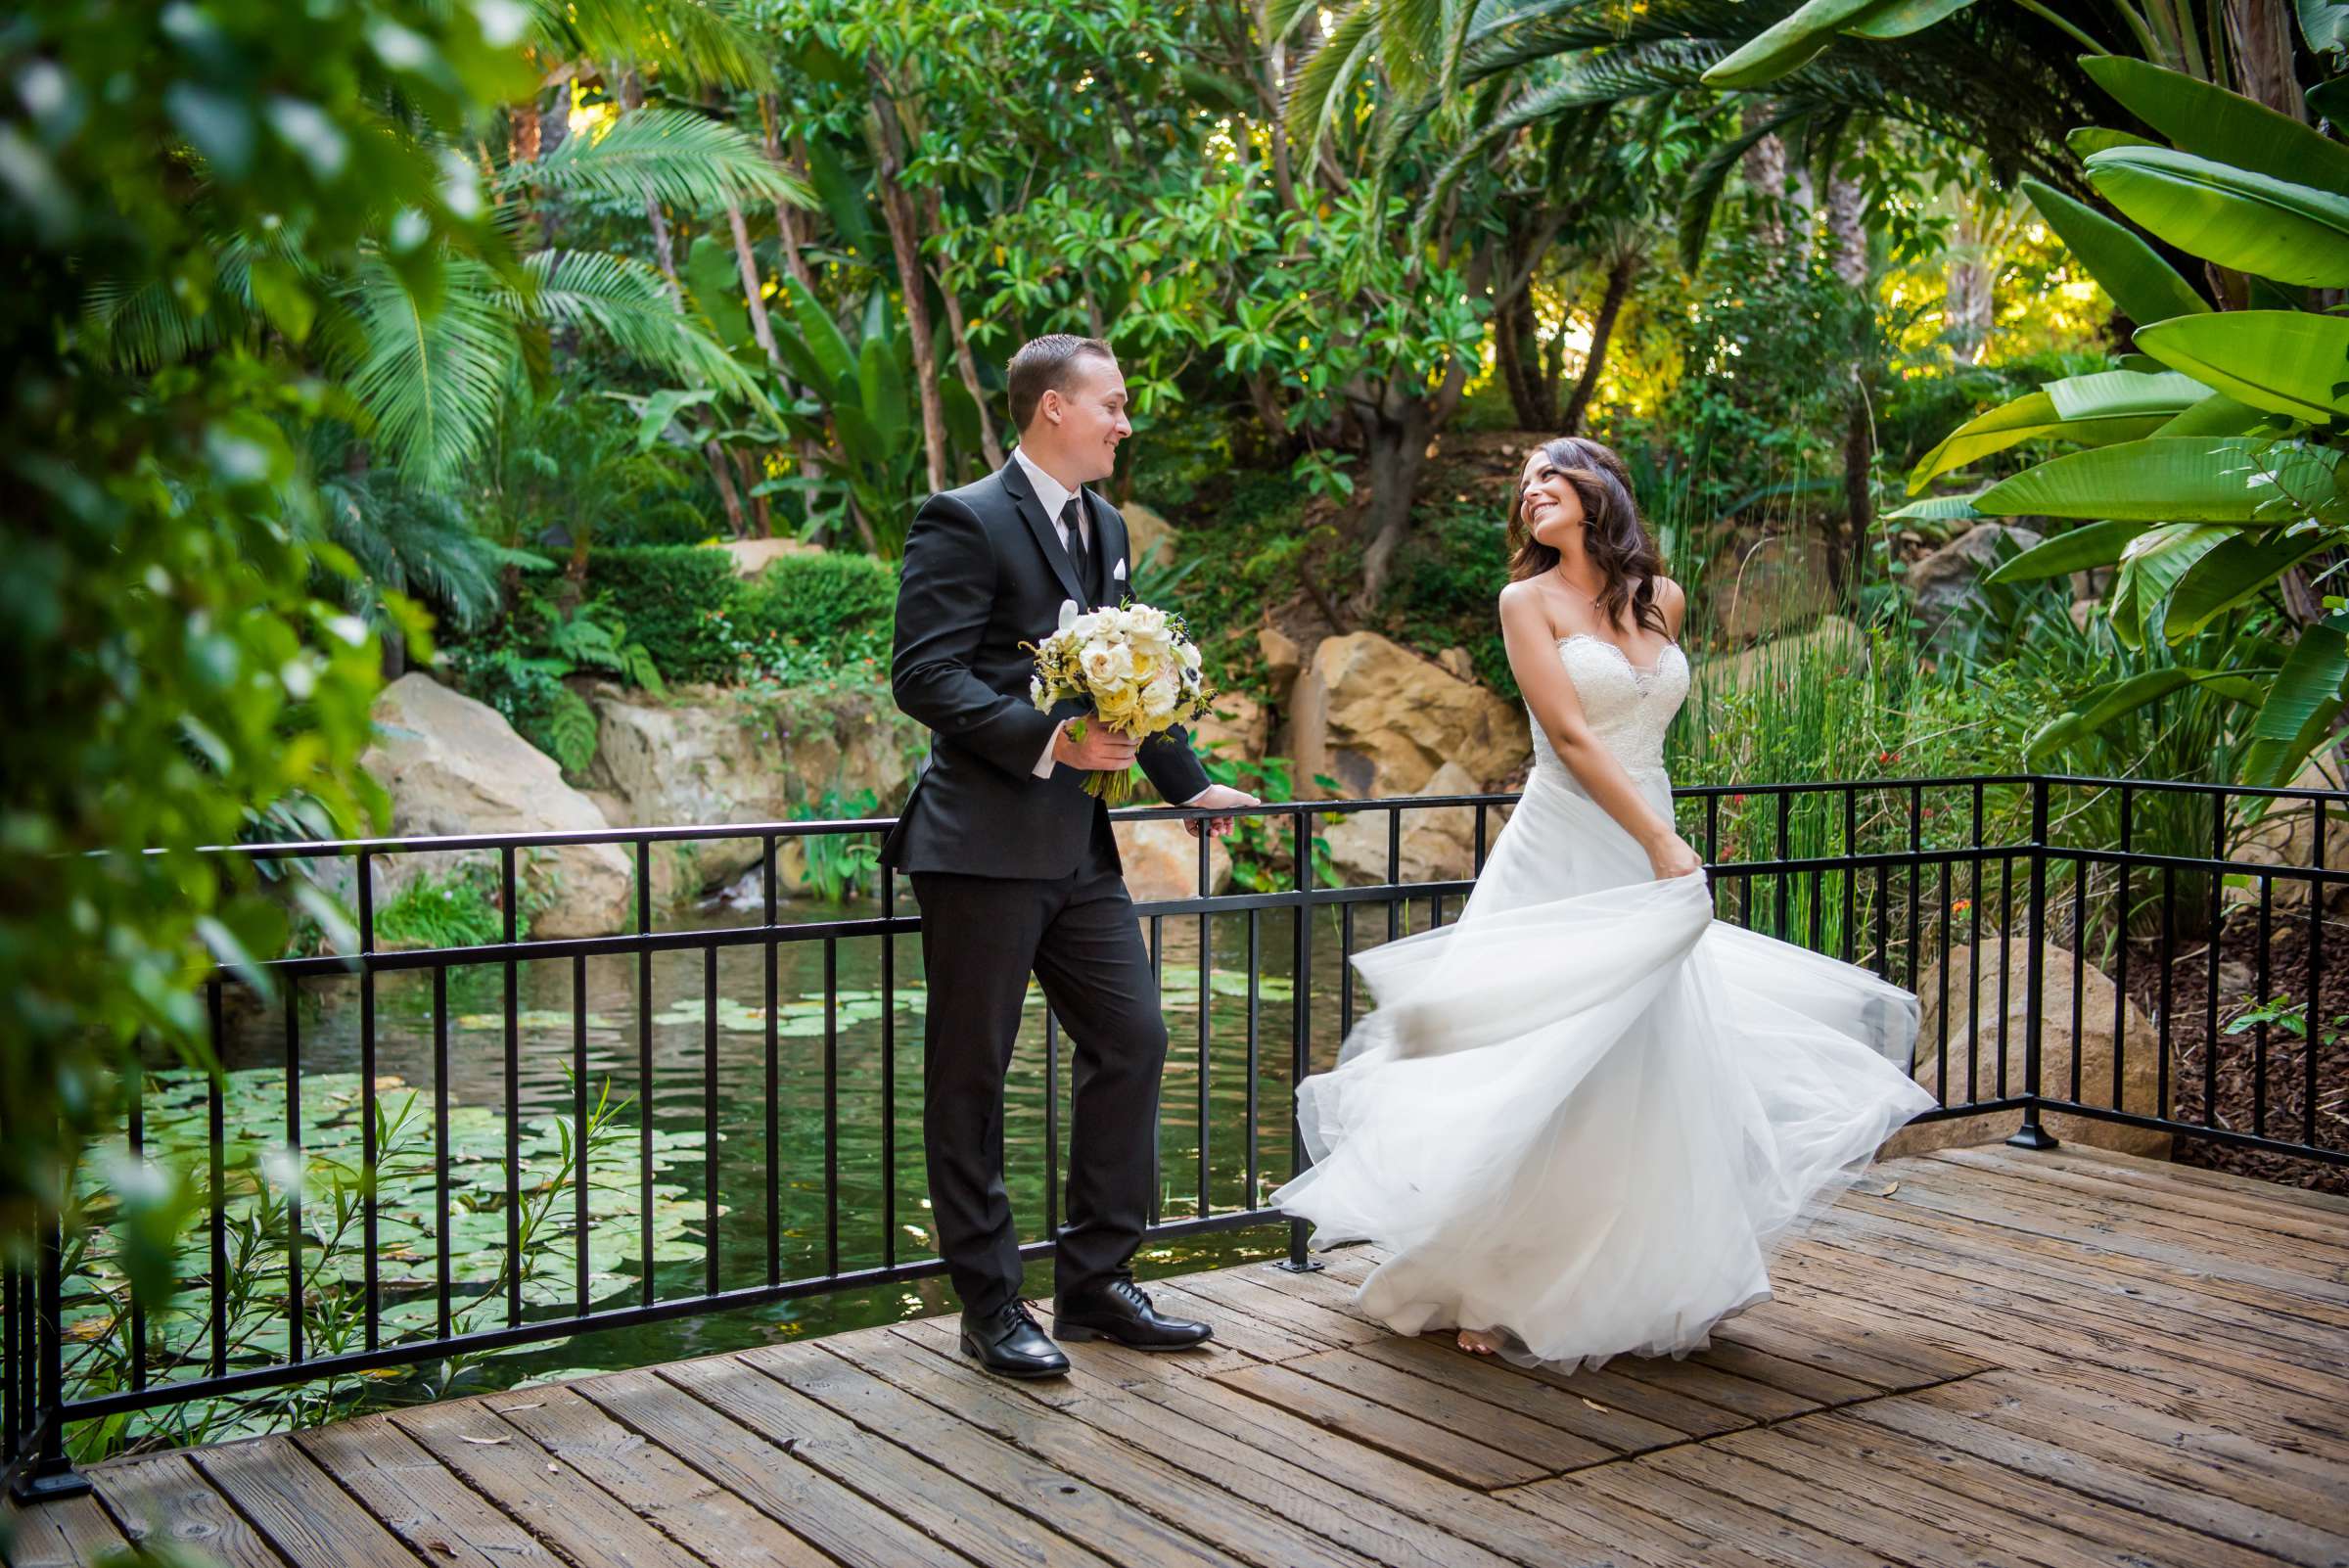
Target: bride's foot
x=1478, y=1342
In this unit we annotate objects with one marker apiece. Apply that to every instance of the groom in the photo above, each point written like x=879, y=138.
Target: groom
x=1016, y=869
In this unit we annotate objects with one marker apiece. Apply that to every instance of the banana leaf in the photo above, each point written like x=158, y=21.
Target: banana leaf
x=2292, y=362
x=2077, y=549
x=1904, y=17
x=2236, y=570
x=1793, y=41
x=1936, y=509
x=2086, y=139
x=2215, y=415
x=834, y=362
x=2312, y=675
x=2027, y=418
x=881, y=390
x=2150, y=567
x=2114, y=700
x=2252, y=222
x=2228, y=478
x=2144, y=285
x=2124, y=395
x=2224, y=127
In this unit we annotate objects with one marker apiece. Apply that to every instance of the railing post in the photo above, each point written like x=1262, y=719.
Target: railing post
x=1300, y=1023
x=2031, y=1135
x=50, y=1475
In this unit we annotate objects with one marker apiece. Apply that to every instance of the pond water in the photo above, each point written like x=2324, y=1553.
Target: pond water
x=860, y=1217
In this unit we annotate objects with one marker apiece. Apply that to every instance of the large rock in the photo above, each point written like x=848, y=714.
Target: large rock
x=1763, y=588
x=753, y=556
x=2099, y=1003
x=1240, y=723
x=1949, y=581
x=1161, y=861
x=1438, y=842
x=713, y=755
x=2287, y=836
x=1149, y=537
x=1380, y=720
x=1283, y=659
x=453, y=765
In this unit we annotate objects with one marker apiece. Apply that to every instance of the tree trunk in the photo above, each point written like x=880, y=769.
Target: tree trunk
x=905, y=241
x=787, y=221
x=966, y=365
x=1765, y=166
x=1394, y=435
x=2259, y=35
x=1620, y=276
x=1847, y=233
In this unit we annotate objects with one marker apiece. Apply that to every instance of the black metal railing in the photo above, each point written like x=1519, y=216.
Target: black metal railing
x=586, y=1219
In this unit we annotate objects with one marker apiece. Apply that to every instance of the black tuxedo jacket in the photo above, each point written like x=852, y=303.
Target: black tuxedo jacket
x=984, y=571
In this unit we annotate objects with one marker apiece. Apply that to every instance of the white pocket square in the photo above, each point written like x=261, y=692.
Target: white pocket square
x=1120, y=573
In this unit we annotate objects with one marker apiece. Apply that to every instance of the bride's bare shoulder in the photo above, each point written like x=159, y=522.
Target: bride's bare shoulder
x=1670, y=600
x=1523, y=604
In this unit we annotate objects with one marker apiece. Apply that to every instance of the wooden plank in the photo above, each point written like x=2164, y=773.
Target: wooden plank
x=1758, y=1532
x=931, y=1499
x=2240, y=1225
x=565, y=1508
x=2182, y=1313
x=1236, y=1292
x=2036, y=1410
x=1186, y=1521
x=1448, y=1453
x=1813, y=1383
x=1611, y=1389
x=1251, y=1424
x=755, y=1467
x=1865, y=1355
x=164, y=1500
x=70, y=1532
x=297, y=1506
x=1933, y=1475
x=2146, y=1412
x=1446, y=1405
x=1361, y=1524
x=1499, y=1383
x=1244, y=1332
x=2089, y=1264
x=1631, y=1537
x=420, y=1500
x=654, y=1483
x=1923, y=1415
x=1715, y=1385
x=2245, y=1195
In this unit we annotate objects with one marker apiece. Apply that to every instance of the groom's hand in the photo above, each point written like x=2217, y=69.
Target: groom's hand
x=1102, y=750
x=1217, y=794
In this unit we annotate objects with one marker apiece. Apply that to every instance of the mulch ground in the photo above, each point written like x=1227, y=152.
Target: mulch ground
x=2235, y=1104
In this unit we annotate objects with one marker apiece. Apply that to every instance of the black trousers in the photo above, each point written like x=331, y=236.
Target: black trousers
x=981, y=937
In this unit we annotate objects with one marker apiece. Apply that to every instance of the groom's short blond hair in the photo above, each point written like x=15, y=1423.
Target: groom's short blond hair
x=1045, y=364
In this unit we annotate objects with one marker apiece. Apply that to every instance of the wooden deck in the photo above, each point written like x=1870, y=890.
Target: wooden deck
x=1981, y=1358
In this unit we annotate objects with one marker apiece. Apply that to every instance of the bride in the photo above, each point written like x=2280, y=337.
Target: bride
x=1582, y=1113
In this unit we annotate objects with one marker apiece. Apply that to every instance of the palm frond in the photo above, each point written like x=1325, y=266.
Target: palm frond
x=683, y=159
x=431, y=380
x=1700, y=195
x=629, y=305
x=1321, y=87
x=700, y=42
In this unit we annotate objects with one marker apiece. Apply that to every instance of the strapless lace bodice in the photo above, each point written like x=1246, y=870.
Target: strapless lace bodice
x=1629, y=709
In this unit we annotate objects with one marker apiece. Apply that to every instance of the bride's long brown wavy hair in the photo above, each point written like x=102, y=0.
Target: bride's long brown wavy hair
x=1616, y=542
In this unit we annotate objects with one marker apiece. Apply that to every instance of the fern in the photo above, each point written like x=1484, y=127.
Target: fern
x=568, y=733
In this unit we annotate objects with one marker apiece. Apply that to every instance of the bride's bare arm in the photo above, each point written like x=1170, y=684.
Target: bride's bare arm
x=1533, y=651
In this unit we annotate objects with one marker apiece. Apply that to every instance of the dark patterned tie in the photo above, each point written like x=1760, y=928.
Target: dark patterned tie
x=1077, y=553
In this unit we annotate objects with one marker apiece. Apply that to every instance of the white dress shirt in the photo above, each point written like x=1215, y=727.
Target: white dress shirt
x=1054, y=498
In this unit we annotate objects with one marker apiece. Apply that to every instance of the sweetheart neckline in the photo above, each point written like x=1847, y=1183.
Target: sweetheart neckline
x=1670, y=645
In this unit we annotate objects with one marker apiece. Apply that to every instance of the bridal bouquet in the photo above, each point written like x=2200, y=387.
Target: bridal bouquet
x=1134, y=664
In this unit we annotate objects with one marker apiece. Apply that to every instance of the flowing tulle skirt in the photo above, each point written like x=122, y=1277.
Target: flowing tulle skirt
x=1582, y=1113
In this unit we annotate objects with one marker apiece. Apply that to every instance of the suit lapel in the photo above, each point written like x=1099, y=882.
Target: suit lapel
x=1048, y=536
x=1109, y=535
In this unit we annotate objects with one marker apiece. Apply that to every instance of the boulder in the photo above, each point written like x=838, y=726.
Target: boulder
x=1238, y=723
x=1765, y=587
x=1457, y=663
x=1161, y=861
x=1380, y=720
x=712, y=755
x=454, y=766
x=1948, y=580
x=1438, y=844
x=1282, y=654
x=753, y=556
x=2287, y=836
x=2100, y=1004
x=1149, y=537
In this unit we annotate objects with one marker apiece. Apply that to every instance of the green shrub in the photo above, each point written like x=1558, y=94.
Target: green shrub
x=839, y=605
x=675, y=599
x=1447, y=578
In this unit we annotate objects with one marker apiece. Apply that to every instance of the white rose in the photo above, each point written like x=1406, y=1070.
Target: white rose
x=1147, y=623
x=1158, y=697
x=1107, y=662
x=1189, y=653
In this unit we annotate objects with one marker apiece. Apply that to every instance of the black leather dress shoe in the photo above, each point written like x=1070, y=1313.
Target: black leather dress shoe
x=1120, y=1310
x=1007, y=1343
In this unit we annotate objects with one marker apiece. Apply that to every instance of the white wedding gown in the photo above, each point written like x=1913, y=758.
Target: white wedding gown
x=1582, y=1113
